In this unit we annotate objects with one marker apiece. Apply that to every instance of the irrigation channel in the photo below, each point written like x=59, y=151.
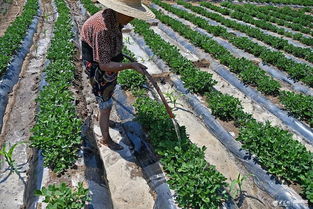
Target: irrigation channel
x=134, y=178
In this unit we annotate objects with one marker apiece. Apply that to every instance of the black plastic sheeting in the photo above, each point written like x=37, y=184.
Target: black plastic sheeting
x=11, y=76
x=294, y=124
x=238, y=33
x=143, y=152
x=266, y=182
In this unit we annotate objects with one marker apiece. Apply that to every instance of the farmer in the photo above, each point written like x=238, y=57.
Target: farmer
x=102, y=53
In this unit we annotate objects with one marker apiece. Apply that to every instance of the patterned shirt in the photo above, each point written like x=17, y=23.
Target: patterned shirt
x=104, y=35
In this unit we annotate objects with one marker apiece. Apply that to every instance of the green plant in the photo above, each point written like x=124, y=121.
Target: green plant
x=183, y=161
x=223, y=106
x=8, y=156
x=235, y=187
x=57, y=128
x=300, y=106
x=63, y=197
x=11, y=40
x=131, y=79
x=172, y=98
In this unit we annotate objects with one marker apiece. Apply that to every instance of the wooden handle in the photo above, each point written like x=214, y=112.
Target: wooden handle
x=168, y=109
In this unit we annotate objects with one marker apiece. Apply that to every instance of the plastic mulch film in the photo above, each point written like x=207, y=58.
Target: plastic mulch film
x=294, y=124
x=281, y=193
x=230, y=30
x=11, y=76
x=143, y=152
x=278, y=74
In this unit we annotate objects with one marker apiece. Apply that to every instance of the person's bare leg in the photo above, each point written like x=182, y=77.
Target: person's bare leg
x=104, y=126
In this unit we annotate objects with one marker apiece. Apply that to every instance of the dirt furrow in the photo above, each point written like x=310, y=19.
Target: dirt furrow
x=20, y=112
x=9, y=12
x=126, y=183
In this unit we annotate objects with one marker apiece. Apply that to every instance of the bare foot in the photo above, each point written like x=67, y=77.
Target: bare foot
x=111, y=144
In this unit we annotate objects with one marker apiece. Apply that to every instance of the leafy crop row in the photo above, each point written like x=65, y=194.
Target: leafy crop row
x=130, y=79
x=296, y=70
x=11, y=40
x=57, y=130
x=245, y=15
x=256, y=33
x=296, y=16
x=246, y=70
x=294, y=2
x=90, y=7
x=197, y=184
x=228, y=108
x=184, y=162
x=264, y=15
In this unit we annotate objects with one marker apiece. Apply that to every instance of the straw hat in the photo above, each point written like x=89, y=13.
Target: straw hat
x=132, y=8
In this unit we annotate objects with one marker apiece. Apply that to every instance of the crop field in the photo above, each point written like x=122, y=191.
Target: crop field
x=238, y=76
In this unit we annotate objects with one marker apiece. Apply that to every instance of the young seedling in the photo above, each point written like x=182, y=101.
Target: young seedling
x=8, y=156
x=172, y=99
x=127, y=41
x=235, y=189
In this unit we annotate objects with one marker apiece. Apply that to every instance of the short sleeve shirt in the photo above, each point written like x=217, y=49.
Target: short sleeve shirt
x=104, y=35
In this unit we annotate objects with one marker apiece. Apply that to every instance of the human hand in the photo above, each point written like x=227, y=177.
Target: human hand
x=139, y=67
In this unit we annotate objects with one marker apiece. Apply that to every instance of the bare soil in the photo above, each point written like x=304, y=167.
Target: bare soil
x=20, y=113
x=8, y=12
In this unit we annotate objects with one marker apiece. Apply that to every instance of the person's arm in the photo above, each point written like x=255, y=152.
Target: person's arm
x=117, y=66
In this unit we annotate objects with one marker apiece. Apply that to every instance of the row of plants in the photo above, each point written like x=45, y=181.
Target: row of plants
x=57, y=128
x=295, y=13
x=293, y=16
x=245, y=69
x=263, y=15
x=293, y=2
x=277, y=151
x=275, y=42
x=184, y=163
x=10, y=42
x=247, y=15
x=249, y=73
x=297, y=71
